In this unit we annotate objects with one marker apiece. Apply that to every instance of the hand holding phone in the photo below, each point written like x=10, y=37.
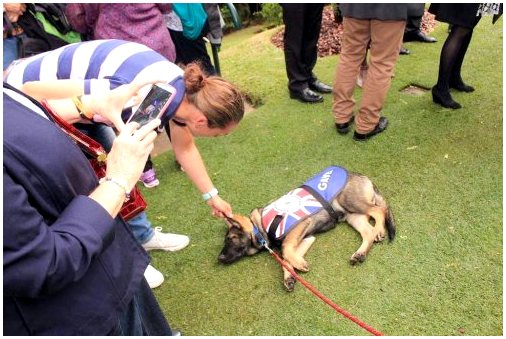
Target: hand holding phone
x=154, y=104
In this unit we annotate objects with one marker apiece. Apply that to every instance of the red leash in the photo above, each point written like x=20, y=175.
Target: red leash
x=329, y=302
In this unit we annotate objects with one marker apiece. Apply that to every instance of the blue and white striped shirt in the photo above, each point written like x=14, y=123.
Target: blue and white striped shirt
x=117, y=61
x=102, y=64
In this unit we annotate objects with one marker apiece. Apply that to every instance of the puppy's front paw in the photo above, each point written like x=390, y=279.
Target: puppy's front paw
x=357, y=258
x=289, y=283
x=298, y=263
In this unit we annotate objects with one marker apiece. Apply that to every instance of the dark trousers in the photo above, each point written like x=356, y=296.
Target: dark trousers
x=188, y=51
x=143, y=316
x=302, y=29
x=415, y=14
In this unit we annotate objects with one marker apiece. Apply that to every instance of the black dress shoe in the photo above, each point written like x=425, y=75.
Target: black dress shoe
x=306, y=95
x=320, y=87
x=461, y=87
x=404, y=51
x=444, y=99
x=418, y=36
x=345, y=127
x=380, y=127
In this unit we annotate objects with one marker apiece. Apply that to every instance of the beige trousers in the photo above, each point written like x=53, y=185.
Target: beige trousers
x=385, y=42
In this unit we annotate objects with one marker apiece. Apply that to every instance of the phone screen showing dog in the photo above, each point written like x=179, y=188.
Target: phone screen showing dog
x=152, y=106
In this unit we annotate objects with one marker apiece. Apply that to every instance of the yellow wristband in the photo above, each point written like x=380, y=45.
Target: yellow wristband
x=84, y=113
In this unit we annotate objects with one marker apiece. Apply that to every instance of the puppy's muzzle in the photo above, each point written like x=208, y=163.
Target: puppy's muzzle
x=230, y=254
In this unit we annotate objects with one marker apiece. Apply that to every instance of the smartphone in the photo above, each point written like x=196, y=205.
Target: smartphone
x=154, y=104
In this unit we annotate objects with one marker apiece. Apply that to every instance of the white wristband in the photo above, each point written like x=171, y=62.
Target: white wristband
x=210, y=194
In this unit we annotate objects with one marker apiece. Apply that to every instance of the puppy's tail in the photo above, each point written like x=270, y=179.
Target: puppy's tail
x=389, y=217
x=390, y=224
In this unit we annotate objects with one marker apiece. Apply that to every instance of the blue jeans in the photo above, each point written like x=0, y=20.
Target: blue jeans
x=10, y=46
x=142, y=317
x=140, y=225
x=101, y=133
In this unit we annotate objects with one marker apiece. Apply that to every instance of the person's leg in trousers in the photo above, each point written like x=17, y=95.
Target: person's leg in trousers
x=312, y=26
x=353, y=50
x=141, y=228
x=191, y=50
x=143, y=316
x=103, y=134
x=293, y=16
x=414, y=20
x=148, y=165
x=386, y=40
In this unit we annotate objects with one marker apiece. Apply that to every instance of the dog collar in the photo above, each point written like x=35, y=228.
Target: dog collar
x=259, y=236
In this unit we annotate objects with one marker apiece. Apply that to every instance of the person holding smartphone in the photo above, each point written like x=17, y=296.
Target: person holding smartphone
x=70, y=264
x=154, y=104
x=201, y=107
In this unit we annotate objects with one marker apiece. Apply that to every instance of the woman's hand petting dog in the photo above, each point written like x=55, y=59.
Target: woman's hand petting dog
x=221, y=208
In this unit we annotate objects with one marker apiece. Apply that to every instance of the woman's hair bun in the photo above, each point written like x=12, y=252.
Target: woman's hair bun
x=194, y=78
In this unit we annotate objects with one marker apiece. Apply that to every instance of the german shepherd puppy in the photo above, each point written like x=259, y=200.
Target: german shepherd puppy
x=357, y=202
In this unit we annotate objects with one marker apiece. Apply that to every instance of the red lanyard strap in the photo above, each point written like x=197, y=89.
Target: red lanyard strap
x=326, y=300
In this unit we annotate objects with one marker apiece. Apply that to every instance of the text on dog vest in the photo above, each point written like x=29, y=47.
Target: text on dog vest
x=322, y=185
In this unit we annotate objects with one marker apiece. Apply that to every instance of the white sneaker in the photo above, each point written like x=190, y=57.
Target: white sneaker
x=166, y=241
x=153, y=276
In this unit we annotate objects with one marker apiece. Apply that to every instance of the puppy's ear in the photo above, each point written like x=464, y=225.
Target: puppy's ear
x=231, y=222
x=256, y=216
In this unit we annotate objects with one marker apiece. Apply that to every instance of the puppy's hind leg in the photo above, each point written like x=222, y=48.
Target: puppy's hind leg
x=360, y=222
x=288, y=280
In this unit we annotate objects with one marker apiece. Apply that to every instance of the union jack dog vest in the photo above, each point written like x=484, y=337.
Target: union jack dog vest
x=280, y=216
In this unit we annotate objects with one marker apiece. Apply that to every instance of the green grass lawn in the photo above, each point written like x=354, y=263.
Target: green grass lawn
x=440, y=169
